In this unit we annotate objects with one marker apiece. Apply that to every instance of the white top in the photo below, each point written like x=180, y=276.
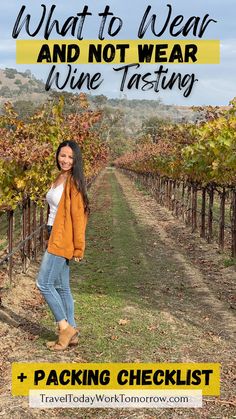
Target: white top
x=53, y=198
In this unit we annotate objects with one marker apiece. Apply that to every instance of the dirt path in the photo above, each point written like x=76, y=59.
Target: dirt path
x=143, y=266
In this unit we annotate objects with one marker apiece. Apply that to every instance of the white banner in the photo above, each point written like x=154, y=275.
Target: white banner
x=115, y=399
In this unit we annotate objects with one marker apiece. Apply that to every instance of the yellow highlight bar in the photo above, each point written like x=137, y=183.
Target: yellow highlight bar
x=171, y=376
x=117, y=52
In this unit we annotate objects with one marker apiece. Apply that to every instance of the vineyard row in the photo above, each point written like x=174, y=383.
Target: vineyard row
x=211, y=210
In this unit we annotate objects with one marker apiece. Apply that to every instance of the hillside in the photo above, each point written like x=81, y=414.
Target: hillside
x=136, y=111
x=24, y=87
x=15, y=86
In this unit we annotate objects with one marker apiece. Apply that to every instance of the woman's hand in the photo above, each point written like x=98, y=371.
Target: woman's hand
x=77, y=259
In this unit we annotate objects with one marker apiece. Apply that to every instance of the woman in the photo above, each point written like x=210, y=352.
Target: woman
x=66, y=226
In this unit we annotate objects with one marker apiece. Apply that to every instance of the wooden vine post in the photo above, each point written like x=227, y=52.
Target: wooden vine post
x=188, y=205
x=233, y=224
x=222, y=219
x=203, y=214
x=24, y=235
x=28, y=227
x=182, y=202
x=210, y=214
x=10, y=216
x=194, y=208
x=34, y=228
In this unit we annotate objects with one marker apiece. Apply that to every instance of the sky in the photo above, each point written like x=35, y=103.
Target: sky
x=216, y=83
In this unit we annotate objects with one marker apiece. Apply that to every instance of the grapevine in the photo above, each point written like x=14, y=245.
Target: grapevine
x=27, y=160
x=203, y=152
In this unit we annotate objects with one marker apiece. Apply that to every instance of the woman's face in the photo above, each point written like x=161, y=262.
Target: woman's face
x=65, y=158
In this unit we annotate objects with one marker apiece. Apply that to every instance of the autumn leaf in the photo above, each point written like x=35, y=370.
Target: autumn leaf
x=123, y=322
x=114, y=337
x=152, y=327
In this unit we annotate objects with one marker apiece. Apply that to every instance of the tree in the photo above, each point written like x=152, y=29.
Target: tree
x=5, y=91
x=152, y=127
x=99, y=100
x=10, y=73
x=24, y=108
x=18, y=82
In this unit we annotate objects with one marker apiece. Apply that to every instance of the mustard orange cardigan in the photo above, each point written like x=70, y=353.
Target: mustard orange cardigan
x=67, y=237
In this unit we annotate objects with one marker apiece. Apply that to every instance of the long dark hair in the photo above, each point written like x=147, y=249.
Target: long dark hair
x=77, y=170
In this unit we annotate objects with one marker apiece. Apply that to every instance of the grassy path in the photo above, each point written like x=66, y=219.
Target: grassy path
x=143, y=293
x=116, y=283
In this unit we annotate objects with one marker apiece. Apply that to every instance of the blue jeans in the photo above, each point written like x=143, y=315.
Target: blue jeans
x=54, y=283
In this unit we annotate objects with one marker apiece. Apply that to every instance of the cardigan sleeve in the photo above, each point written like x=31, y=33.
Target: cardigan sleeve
x=79, y=222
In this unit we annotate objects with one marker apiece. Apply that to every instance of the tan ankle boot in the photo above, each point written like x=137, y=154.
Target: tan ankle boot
x=65, y=337
x=74, y=341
